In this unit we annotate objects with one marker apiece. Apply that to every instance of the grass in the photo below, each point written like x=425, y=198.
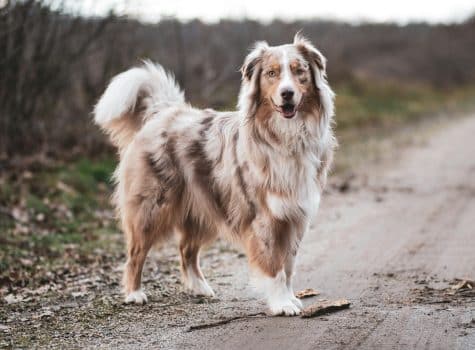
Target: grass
x=374, y=105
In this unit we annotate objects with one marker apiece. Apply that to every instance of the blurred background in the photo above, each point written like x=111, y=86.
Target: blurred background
x=390, y=64
x=386, y=62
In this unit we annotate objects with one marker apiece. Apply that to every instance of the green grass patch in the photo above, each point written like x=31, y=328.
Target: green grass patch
x=377, y=104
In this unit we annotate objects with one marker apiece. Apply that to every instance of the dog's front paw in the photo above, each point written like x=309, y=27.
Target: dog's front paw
x=297, y=302
x=136, y=297
x=204, y=290
x=284, y=307
x=199, y=287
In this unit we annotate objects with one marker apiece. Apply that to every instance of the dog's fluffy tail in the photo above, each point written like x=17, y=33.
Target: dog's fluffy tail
x=130, y=98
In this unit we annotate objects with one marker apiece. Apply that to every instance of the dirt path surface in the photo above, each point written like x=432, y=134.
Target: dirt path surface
x=392, y=240
x=383, y=245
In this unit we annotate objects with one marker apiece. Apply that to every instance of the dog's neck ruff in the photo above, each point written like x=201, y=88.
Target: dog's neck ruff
x=284, y=154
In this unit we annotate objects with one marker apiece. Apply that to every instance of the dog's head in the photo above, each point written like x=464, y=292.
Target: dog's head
x=288, y=81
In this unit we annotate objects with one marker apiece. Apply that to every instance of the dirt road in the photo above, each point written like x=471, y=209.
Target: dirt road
x=392, y=240
x=409, y=226
x=390, y=244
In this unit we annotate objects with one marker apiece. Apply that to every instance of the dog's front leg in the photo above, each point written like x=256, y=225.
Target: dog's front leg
x=278, y=297
x=289, y=274
x=271, y=261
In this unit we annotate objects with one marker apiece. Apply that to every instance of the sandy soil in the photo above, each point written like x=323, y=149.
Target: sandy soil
x=392, y=238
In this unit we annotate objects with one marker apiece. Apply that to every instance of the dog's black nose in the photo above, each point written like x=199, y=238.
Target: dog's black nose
x=287, y=94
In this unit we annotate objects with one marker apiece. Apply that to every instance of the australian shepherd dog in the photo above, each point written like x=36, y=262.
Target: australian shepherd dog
x=254, y=176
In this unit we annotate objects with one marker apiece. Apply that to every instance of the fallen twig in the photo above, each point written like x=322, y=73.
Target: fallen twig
x=225, y=321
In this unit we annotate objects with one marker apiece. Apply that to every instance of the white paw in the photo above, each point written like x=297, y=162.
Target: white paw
x=284, y=307
x=297, y=302
x=198, y=286
x=136, y=297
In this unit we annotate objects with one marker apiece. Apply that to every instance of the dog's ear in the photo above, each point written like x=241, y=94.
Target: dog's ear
x=251, y=71
x=318, y=64
x=253, y=60
x=248, y=68
x=310, y=52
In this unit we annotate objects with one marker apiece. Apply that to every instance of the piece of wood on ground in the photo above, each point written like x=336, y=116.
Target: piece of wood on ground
x=463, y=284
x=306, y=293
x=320, y=308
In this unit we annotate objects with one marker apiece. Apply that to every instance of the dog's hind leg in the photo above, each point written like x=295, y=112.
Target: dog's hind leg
x=193, y=278
x=137, y=251
x=190, y=245
x=148, y=226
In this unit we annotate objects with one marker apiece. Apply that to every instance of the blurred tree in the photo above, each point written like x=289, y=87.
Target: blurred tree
x=38, y=48
x=54, y=66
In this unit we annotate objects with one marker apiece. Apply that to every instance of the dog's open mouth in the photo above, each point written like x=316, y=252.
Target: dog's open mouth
x=288, y=110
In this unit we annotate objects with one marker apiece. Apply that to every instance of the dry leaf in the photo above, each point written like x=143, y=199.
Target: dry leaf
x=306, y=293
x=463, y=284
x=320, y=308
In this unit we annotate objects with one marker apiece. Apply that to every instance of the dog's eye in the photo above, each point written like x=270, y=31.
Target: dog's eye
x=299, y=71
x=271, y=73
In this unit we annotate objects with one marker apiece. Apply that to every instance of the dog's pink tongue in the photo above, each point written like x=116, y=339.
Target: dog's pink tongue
x=288, y=112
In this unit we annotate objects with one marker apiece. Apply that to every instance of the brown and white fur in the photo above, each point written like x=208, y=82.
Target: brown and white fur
x=254, y=176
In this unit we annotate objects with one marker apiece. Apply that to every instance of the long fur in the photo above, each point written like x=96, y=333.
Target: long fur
x=251, y=175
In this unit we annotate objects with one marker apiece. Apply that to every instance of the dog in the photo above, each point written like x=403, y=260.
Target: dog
x=254, y=176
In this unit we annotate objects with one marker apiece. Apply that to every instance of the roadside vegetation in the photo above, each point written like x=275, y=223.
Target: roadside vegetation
x=55, y=216
x=367, y=104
